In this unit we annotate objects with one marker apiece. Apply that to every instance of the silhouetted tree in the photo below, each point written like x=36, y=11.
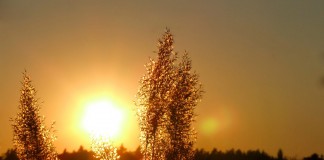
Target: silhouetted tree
x=201, y=154
x=11, y=154
x=121, y=150
x=313, y=157
x=280, y=155
x=80, y=154
x=137, y=153
x=127, y=155
x=153, y=98
x=32, y=139
x=231, y=155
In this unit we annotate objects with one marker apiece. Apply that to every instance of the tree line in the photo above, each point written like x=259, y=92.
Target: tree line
x=199, y=154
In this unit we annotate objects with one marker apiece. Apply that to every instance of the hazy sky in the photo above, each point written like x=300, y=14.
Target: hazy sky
x=261, y=64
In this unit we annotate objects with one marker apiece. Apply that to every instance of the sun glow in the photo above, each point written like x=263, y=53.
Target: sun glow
x=102, y=118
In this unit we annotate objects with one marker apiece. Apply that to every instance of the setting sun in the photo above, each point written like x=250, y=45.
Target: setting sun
x=102, y=118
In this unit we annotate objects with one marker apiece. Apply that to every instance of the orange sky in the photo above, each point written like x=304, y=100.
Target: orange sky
x=261, y=64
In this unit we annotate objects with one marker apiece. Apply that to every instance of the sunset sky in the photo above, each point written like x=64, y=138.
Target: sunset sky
x=261, y=64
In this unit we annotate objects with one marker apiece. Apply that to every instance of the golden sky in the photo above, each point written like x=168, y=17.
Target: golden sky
x=261, y=64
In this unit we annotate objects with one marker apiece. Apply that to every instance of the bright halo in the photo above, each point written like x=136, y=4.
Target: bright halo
x=102, y=118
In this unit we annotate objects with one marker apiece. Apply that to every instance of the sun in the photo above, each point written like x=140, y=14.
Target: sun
x=102, y=118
